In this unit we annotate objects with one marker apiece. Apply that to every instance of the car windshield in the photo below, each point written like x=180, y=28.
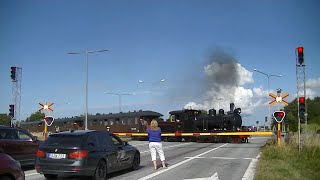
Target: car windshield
x=65, y=141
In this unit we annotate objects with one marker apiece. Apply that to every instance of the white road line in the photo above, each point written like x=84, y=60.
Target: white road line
x=224, y=158
x=31, y=174
x=167, y=147
x=178, y=164
x=249, y=174
x=141, y=144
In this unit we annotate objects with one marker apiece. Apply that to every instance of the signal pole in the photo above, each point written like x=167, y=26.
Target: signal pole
x=301, y=92
x=16, y=77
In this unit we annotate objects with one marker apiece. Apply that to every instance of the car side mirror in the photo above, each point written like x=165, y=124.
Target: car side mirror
x=35, y=138
x=125, y=143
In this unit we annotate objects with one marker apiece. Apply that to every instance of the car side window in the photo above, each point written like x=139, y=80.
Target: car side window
x=102, y=138
x=10, y=134
x=115, y=141
x=23, y=136
x=92, y=140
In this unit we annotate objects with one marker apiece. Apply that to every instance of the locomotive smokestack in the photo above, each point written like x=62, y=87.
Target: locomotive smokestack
x=231, y=107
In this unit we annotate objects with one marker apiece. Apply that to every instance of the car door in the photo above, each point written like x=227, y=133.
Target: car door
x=92, y=146
x=123, y=156
x=113, y=160
x=29, y=146
x=109, y=153
x=11, y=144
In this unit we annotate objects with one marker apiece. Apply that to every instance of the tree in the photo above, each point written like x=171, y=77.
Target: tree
x=291, y=110
x=5, y=119
x=37, y=116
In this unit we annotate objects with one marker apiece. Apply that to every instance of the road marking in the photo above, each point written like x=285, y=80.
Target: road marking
x=249, y=174
x=141, y=144
x=224, y=158
x=168, y=147
x=31, y=174
x=213, y=177
x=180, y=163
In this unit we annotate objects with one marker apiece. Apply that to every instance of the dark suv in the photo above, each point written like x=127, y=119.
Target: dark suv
x=19, y=144
x=85, y=153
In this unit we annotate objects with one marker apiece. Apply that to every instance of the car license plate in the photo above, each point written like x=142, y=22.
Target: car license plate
x=56, y=156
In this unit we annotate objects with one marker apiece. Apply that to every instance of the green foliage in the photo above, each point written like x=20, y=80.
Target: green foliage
x=291, y=110
x=37, y=116
x=4, y=119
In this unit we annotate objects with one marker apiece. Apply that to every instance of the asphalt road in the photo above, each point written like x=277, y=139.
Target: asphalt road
x=192, y=161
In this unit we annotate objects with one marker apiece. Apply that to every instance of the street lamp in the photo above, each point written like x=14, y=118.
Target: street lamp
x=87, y=52
x=162, y=80
x=268, y=76
x=119, y=95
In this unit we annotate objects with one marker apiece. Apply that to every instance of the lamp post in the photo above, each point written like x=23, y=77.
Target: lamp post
x=119, y=95
x=87, y=52
x=162, y=80
x=268, y=76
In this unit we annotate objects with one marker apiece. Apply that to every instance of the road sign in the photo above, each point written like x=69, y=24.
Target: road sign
x=48, y=120
x=279, y=115
x=278, y=99
x=46, y=107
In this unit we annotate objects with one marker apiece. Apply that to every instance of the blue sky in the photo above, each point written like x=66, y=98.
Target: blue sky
x=183, y=42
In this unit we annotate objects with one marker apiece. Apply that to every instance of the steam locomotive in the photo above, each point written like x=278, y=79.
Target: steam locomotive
x=191, y=120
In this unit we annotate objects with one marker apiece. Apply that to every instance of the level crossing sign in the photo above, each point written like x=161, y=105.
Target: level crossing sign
x=279, y=99
x=45, y=107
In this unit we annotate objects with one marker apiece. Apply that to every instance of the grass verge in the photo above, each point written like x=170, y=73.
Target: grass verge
x=286, y=162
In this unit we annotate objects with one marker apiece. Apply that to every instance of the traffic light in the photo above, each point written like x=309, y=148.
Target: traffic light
x=13, y=73
x=11, y=110
x=279, y=115
x=300, y=55
x=48, y=120
x=302, y=109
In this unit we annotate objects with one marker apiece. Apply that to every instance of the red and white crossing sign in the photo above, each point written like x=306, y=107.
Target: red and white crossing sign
x=48, y=120
x=278, y=99
x=46, y=107
x=279, y=115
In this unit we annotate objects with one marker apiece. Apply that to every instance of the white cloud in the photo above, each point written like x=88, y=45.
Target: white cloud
x=313, y=83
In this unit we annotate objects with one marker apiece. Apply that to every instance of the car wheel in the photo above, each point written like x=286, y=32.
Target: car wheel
x=6, y=178
x=50, y=176
x=135, y=162
x=101, y=171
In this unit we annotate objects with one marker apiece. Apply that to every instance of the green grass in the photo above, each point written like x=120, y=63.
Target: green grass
x=286, y=162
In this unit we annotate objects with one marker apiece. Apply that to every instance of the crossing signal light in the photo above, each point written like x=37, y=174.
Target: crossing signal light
x=48, y=120
x=11, y=110
x=279, y=115
x=13, y=73
x=300, y=55
x=302, y=109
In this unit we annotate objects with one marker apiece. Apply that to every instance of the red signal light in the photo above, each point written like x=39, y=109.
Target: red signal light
x=301, y=99
x=300, y=49
x=281, y=114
